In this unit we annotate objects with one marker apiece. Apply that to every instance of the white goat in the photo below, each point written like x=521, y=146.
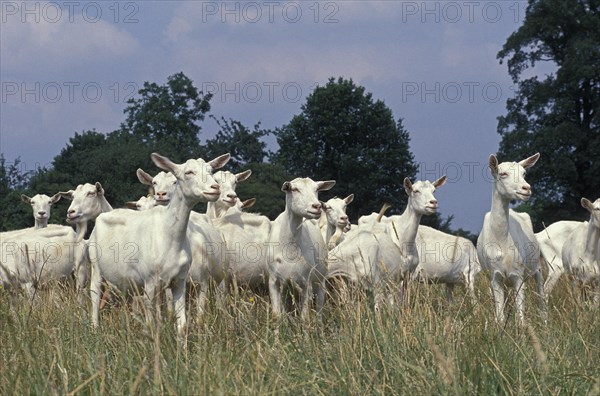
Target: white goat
x=581, y=256
x=299, y=254
x=447, y=259
x=150, y=249
x=334, y=220
x=31, y=259
x=551, y=240
x=36, y=255
x=246, y=237
x=41, y=204
x=88, y=202
x=507, y=246
x=144, y=203
x=227, y=182
x=377, y=254
x=207, y=245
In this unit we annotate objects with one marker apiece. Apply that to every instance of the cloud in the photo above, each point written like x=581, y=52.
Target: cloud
x=62, y=44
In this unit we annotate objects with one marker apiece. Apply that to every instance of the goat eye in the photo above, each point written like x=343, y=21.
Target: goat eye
x=294, y=189
x=190, y=172
x=91, y=194
x=504, y=174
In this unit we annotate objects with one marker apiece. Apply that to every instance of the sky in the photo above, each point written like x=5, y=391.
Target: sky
x=70, y=66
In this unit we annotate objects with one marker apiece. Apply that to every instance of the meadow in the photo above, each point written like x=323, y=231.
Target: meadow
x=427, y=347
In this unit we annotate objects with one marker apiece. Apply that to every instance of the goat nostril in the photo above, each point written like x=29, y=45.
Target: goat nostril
x=317, y=206
x=433, y=202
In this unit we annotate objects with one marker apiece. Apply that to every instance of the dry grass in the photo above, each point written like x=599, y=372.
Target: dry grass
x=427, y=347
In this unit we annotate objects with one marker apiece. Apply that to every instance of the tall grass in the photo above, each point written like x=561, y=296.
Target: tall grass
x=428, y=347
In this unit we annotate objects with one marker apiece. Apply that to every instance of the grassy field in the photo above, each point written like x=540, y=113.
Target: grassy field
x=430, y=347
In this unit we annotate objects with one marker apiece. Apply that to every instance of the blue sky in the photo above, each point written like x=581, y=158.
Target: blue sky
x=70, y=66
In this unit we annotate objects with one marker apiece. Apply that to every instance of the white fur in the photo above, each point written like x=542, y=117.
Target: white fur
x=581, y=255
x=447, y=259
x=228, y=198
x=334, y=220
x=298, y=257
x=148, y=250
x=507, y=246
x=378, y=254
x=31, y=259
x=551, y=240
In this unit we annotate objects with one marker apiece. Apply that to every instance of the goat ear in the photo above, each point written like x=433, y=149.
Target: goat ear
x=529, y=162
x=349, y=199
x=493, y=164
x=287, y=186
x=440, y=182
x=25, y=198
x=408, y=186
x=99, y=188
x=248, y=203
x=586, y=203
x=325, y=185
x=55, y=198
x=240, y=177
x=220, y=161
x=67, y=194
x=131, y=204
x=324, y=205
x=164, y=163
x=143, y=177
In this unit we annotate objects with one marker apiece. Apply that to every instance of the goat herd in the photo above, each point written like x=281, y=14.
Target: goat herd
x=165, y=245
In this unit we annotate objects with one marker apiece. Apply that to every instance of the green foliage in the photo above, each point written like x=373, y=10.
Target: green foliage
x=557, y=115
x=163, y=118
x=344, y=135
x=13, y=180
x=166, y=117
x=244, y=145
x=265, y=185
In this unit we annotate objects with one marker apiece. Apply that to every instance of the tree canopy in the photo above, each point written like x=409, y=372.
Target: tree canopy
x=343, y=134
x=244, y=145
x=167, y=116
x=557, y=115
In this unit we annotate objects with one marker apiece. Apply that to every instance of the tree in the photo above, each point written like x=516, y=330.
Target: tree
x=13, y=180
x=265, y=185
x=167, y=117
x=244, y=145
x=345, y=135
x=557, y=115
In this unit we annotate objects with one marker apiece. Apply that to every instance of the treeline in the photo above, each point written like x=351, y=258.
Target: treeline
x=341, y=133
